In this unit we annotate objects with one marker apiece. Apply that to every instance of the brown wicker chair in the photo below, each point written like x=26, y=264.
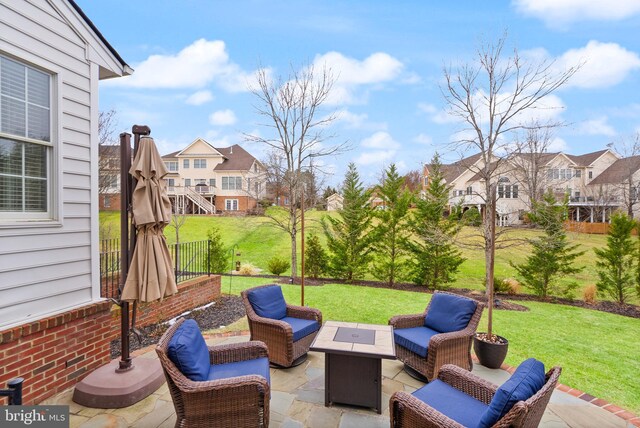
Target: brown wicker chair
x=278, y=335
x=407, y=411
x=444, y=348
x=241, y=401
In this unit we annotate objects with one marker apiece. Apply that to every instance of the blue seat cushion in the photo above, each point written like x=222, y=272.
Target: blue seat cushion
x=257, y=366
x=188, y=351
x=268, y=302
x=449, y=313
x=415, y=339
x=301, y=327
x=451, y=402
x=528, y=379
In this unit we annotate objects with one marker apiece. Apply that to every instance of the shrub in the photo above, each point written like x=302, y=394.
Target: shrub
x=278, y=265
x=512, y=285
x=589, y=294
x=218, y=254
x=248, y=269
x=500, y=285
x=315, y=257
x=472, y=217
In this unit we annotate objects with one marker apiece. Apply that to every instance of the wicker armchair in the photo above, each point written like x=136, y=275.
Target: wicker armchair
x=239, y=401
x=279, y=333
x=441, y=348
x=408, y=411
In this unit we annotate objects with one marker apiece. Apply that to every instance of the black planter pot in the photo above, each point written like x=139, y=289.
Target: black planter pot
x=490, y=355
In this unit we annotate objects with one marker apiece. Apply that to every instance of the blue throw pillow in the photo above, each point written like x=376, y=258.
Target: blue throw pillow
x=449, y=313
x=189, y=352
x=528, y=379
x=268, y=302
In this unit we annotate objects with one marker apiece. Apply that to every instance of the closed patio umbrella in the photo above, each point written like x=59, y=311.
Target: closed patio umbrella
x=151, y=276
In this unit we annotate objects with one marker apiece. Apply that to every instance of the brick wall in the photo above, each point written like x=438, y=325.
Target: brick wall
x=244, y=203
x=52, y=354
x=55, y=353
x=110, y=202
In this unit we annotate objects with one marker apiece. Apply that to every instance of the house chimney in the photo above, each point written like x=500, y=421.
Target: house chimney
x=231, y=150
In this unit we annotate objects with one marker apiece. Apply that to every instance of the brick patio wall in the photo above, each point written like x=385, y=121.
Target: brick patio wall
x=53, y=354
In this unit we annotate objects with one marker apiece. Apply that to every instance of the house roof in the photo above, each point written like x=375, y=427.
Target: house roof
x=236, y=159
x=171, y=155
x=587, y=158
x=98, y=33
x=109, y=150
x=618, y=172
x=453, y=170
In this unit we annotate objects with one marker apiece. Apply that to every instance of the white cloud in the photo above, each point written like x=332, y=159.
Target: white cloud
x=380, y=140
x=559, y=13
x=558, y=145
x=223, y=118
x=195, y=66
x=199, y=98
x=597, y=126
x=359, y=121
x=605, y=64
x=351, y=73
x=423, y=139
x=377, y=157
x=436, y=115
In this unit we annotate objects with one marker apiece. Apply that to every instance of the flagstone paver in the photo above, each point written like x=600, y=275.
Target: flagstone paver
x=297, y=400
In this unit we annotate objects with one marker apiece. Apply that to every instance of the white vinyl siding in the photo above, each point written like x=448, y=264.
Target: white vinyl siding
x=48, y=264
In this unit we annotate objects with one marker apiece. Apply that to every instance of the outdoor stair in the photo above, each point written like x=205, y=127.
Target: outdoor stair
x=199, y=200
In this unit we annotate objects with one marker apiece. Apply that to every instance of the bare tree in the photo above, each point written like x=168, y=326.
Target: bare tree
x=109, y=152
x=291, y=109
x=628, y=182
x=413, y=181
x=490, y=96
x=529, y=157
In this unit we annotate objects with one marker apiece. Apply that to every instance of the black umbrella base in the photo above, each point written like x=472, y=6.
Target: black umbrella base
x=105, y=389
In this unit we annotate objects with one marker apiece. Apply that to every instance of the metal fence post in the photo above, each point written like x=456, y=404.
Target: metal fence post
x=14, y=391
x=209, y=257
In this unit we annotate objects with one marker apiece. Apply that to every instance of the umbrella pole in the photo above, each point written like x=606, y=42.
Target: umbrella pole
x=125, y=208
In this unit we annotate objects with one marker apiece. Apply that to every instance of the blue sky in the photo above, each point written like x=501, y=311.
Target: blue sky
x=193, y=60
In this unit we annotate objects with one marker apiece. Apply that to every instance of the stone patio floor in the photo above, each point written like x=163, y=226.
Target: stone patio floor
x=297, y=400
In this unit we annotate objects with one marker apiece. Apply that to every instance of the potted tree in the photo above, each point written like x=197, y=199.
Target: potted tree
x=490, y=348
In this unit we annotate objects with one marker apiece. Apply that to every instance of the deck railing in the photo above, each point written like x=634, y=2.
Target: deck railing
x=190, y=260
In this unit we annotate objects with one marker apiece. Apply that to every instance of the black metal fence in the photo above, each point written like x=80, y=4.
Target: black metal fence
x=190, y=260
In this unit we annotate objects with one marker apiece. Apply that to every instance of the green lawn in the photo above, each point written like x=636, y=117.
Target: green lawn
x=258, y=241
x=597, y=351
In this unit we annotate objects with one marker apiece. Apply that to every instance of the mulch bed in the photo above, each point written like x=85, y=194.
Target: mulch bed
x=225, y=311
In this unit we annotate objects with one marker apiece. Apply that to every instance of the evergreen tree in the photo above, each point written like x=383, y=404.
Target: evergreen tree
x=218, y=254
x=615, y=261
x=434, y=259
x=391, y=232
x=315, y=259
x=348, y=237
x=551, y=256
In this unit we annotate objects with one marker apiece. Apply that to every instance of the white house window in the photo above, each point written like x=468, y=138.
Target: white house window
x=187, y=182
x=469, y=190
x=112, y=181
x=426, y=181
x=231, y=204
x=578, y=173
x=212, y=182
x=26, y=149
x=231, y=183
x=172, y=166
x=199, y=163
x=185, y=163
x=107, y=201
x=171, y=182
x=590, y=175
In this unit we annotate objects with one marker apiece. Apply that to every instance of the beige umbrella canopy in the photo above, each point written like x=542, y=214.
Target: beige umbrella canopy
x=151, y=276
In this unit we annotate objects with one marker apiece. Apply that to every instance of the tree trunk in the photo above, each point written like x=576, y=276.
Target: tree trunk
x=294, y=246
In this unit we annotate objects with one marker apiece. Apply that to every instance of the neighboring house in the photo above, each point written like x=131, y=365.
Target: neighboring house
x=203, y=179
x=335, y=202
x=52, y=318
x=620, y=183
x=565, y=174
x=109, y=178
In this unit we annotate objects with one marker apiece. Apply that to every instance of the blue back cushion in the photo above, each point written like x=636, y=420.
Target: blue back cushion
x=189, y=352
x=528, y=379
x=268, y=302
x=449, y=313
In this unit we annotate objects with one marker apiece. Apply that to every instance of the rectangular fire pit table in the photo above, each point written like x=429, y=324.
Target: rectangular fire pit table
x=353, y=362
